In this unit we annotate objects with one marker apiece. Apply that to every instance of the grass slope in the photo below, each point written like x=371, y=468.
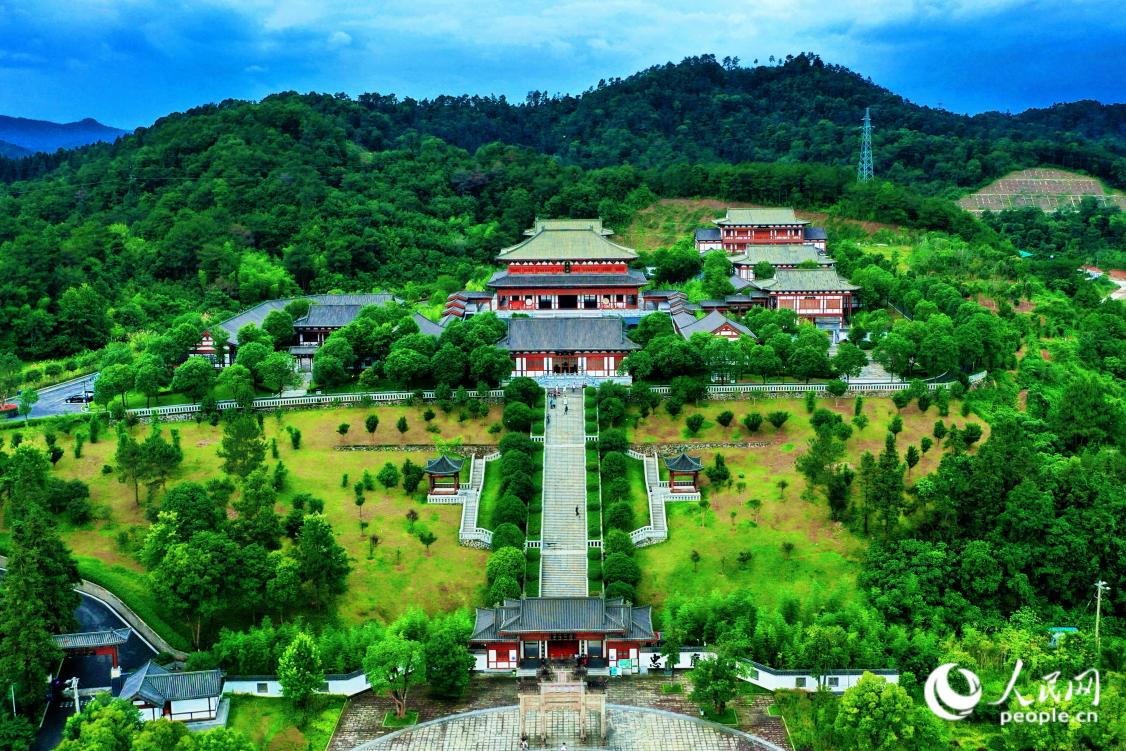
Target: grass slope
x=274, y=725
x=825, y=553
x=398, y=574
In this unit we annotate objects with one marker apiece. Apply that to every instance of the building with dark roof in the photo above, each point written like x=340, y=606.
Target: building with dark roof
x=326, y=314
x=714, y=323
x=816, y=236
x=821, y=295
x=94, y=643
x=708, y=238
x=182, y=696
x=521, y=633
x=567, y=346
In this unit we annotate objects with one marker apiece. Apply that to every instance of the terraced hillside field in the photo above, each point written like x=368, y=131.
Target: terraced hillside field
x=1047, y=189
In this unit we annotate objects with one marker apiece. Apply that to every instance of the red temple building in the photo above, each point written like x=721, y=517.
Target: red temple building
x=746, y=228
x=780, y=257
x=94, y=643
x=564, y=265
x=592, y=347
x=821, y=296
x=521, y=634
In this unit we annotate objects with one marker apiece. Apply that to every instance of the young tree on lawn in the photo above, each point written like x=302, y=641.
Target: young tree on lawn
x=239, y=384
x=752, y=422
x=194, y=378
x=371, y=424
x=911, y=457
x=129, y=461
x=257, y=520
x=149, y=377
x=836, y=389
x=342, y=429
x=159, y=457
x=388, y=476
x=243, y=449
x=401, y=425
x=27, y=400
x=713, y=683
x=394, y=665
x=299, y=670
x=427, y=538
x=778, y=419
x=322, y=563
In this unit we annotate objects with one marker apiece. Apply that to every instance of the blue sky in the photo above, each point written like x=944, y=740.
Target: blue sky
x=127, y=62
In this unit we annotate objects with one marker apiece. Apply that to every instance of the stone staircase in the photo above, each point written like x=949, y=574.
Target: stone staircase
x=563, y=562
x=659, y=493
x=469, y=534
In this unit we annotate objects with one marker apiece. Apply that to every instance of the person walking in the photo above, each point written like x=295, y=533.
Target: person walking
x=576, y=510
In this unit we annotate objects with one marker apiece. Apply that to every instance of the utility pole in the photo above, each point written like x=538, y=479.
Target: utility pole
x=864, y=169
x=1100, y=587
x=12, y=689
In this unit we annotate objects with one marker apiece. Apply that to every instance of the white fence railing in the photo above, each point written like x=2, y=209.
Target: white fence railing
x=311, y=400
x=469, y=534
x=658, y=494
x=856, y=387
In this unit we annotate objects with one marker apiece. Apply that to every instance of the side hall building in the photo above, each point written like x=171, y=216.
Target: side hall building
x=567, y=346
x=742, y=229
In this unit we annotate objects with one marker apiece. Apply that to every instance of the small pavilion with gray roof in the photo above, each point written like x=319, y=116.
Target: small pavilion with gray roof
x=684, y=472
x=445, y=475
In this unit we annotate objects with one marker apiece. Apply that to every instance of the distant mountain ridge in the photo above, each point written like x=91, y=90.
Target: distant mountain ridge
x=30, y=136
x=11, y=151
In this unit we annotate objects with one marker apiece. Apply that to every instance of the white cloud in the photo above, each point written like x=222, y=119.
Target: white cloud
x=338, y=39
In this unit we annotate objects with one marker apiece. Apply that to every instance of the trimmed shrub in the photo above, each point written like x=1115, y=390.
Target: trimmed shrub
x=620, y=516
x=515, y=463
x=621, y=589
x=694, y=423
x=725, y=417
x=505, y=562
x=523, y=390
x=516, y=442
x=510, y=510
x=517, y=416
x=618, y=541
x=616, y=490
x=614, y=464
x=619, y=567
x=752, y=422
x=612, y=439
x=520, y=486
x=508, y=536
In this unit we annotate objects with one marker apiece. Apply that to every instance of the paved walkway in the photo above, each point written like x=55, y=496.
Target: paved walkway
x=631, y=729
x=563, y=571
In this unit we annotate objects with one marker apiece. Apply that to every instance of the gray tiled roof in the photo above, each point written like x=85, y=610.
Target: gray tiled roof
x=632, y=278
x=708, y=234
x=563, y=615
x=566, y=335
x=158, y=686
x=780, y=255
x=426, y=326
x=816, y=233
x=684, y=463
x=328, y=317
x=594, y=225
x=444, y=465
x=740, y=217
x=258, y=313
x=91, y=639
x=708, y=324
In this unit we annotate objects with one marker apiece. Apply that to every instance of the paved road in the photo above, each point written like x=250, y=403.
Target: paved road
x=92, y=672
x=52, y=399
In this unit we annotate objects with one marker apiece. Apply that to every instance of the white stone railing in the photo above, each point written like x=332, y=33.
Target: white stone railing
x=312, y=400
x=855, y=387
x=469, y=534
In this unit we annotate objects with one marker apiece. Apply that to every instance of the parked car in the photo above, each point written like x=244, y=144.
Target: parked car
x=80, y=398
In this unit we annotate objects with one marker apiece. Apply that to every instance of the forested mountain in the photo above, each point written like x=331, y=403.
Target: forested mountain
x=225, y=205
x=46, y=136
x=799, y=110
x=11, y=151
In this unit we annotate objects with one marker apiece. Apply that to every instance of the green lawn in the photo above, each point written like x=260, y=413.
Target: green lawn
x=275, y=725
x=490, y=494
x=824, y=555
x=639, y=498
x=397, y=575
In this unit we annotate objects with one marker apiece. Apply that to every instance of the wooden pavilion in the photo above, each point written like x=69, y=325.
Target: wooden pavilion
x=445, y=475
x=684, y=472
